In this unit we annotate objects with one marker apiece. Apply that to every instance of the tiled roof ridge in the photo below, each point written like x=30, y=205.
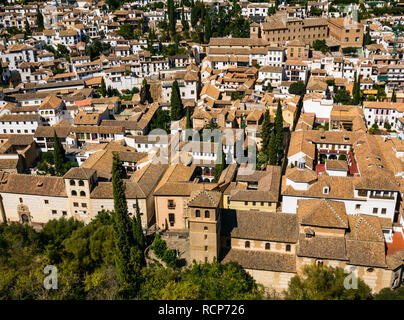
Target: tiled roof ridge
x=370, y=226
x=335, y=212
x=207, y=193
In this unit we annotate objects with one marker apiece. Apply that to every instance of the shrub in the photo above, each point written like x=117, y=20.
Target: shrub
x=159, y=246
x=170, y=258
x=342, y=157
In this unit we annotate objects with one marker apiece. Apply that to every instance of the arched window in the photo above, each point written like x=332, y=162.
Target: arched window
x=288, y=247
x=72, y=183
x=197, y=213
x=74, y=193
x=82, y=194
x=207, y=214
x=247, y=244
x=81, y=183
x=267, y=246
x=205, y=228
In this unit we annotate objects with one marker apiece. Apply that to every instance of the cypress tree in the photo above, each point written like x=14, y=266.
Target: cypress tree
x=103, y=87
x=393, y=96
x=356, y=91
x=39, y=20
x=208, y=28
x=59, y=154
x=27, y=29
x=188, y=124
x=266, y=131
x=367, y=38
x=137, y=229
x=144, y=96
x=279, y=131
x=272, y=149
x=220, y=166
x=184, y=22
x=171, y=15
x=176, y=106
x=125, y=252
x=1, y=71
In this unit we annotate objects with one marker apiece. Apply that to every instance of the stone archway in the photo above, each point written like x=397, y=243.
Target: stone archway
x=24, y=213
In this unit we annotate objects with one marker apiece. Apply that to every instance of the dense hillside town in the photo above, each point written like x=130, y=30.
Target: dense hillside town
x=265, y=133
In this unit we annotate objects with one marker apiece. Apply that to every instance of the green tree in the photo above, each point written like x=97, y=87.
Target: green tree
x=126, y=30
x=367, y=38
x=342, y=96
x=196, y=13
x=59, y=154
x=176, y=106
x=315, y=11
x=201, y=281
x=54, y=233
x=279, y=131
x=159, y=246
x=389, y=294
x=184, y=22
x=188, y=124
x=125, y=252
x=208, y=29
x=103, y=89
x=145, y=96
x=273, y=150
x=349, y=51
x=324, y=283
x=320, y=45
x=262, y=159
x=298, y=88
x=1, y=72
x=266, y=131
x=220, y=162
x=393, y=96
x=171, y=16
x=114, y=4
x=356, y=90
x=39, y=20
x=27, y=29
x=161, y=120
x=138, y=235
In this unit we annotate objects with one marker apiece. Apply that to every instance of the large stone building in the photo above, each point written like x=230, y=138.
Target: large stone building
x=274, y=247
x=280, y=29
x=346, y=32
x=79, y=194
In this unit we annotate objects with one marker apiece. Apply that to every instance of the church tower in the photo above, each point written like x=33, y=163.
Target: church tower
x=255, y=30
x=204, y=225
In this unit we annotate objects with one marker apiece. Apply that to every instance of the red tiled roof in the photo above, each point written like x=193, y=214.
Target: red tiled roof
x=397, y=244
x=320, y=168
x=353, y=167
x=84, y=102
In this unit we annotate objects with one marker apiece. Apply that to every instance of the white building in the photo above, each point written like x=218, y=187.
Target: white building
x=317, y=104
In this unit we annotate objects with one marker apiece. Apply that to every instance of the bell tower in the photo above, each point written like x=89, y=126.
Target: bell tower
x=254, y=30
x=204, y=225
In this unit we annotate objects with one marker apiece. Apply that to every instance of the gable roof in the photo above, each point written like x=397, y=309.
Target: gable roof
x=79, y=173
x=257, y=225
x=322, y=213
x=205, y=199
